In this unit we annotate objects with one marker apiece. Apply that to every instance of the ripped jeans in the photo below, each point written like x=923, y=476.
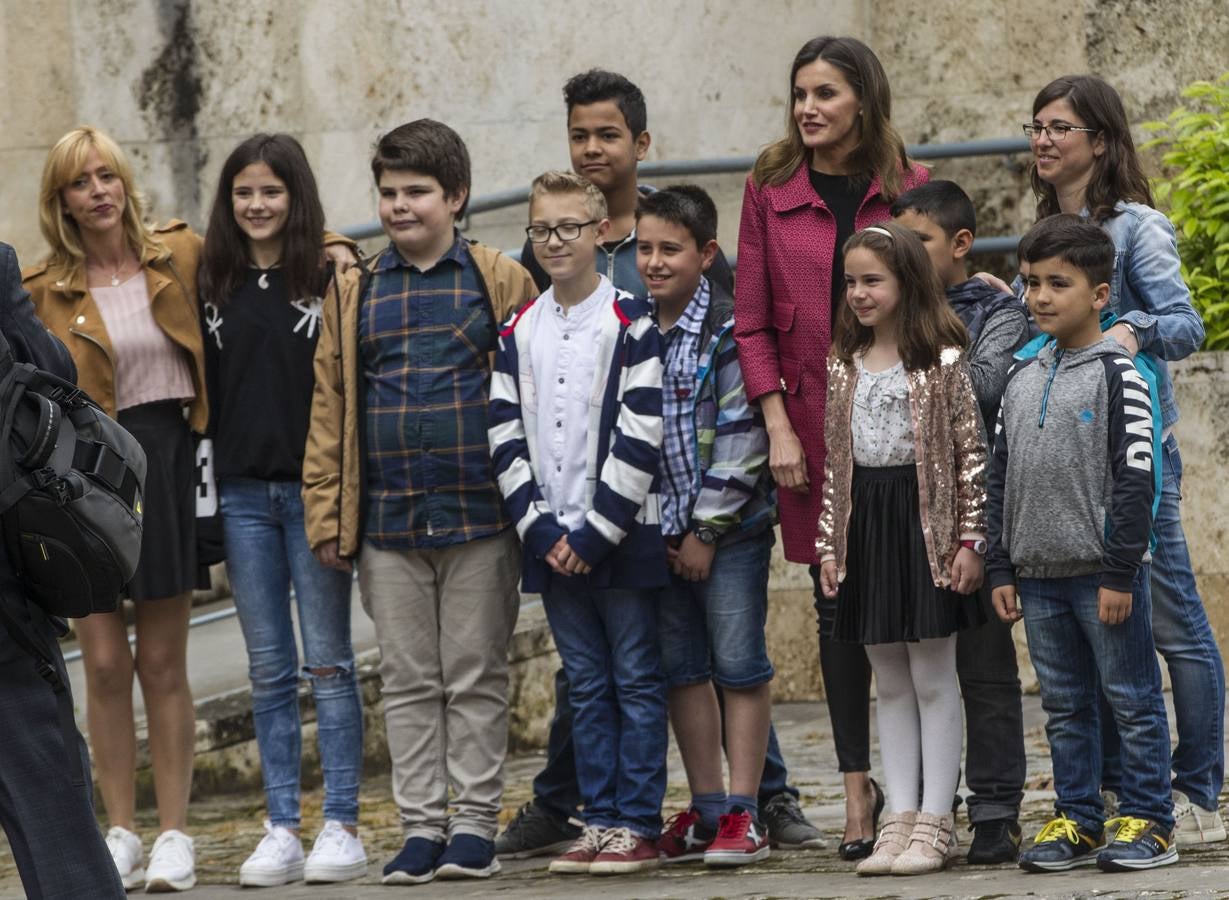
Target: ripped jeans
x=266, y=552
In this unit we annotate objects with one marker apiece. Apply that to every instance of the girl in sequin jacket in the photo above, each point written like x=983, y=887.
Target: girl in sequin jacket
x=901, y=535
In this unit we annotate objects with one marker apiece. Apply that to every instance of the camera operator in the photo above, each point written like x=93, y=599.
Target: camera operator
x=46, y=799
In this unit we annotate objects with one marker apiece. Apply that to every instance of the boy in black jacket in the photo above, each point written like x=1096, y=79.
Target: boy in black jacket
x=46, y=800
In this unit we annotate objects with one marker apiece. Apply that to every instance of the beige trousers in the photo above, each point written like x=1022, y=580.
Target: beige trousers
x=444, y=619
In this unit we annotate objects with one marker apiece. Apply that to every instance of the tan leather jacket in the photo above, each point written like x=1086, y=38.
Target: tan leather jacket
x=951, y=461
x=333, y=465
x=67, y=308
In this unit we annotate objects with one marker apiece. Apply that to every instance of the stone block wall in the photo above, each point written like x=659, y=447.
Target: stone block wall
x=181, y=82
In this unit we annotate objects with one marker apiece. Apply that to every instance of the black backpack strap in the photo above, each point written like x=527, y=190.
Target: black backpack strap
x=44, y=664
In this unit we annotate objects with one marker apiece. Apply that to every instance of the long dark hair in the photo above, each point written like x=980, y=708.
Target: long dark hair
x=880, y=150
x=225, y=261
x=925, y=322
x=1117, y=173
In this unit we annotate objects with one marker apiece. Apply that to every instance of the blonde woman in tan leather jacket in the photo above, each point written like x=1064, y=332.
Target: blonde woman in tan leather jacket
x=122, y=297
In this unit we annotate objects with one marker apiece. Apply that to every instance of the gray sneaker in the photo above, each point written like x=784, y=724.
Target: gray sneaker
x=535, y=832
x=788, y=828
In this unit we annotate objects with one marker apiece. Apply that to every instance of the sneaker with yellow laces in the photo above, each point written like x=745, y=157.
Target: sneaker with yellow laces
x=1137, y=844
x=1061, y=845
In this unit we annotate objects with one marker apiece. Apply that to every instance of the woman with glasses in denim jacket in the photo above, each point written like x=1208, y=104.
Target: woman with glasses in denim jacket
x=1085, y=163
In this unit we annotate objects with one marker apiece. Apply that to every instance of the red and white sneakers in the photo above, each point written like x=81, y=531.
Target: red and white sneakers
x=579, y=857
x=740, y=840
x=624, y=853
x=684, y=838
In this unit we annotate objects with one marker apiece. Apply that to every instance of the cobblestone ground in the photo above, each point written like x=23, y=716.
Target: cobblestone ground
x=226, y=828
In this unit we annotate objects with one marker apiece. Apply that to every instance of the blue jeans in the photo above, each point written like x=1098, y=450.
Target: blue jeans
x=714, y=630
x=1184, y=638
x=266, y=551
x=1073, y=652
x=607, y=639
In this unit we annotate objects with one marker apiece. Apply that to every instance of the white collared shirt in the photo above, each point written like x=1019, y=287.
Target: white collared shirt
x=563, y=359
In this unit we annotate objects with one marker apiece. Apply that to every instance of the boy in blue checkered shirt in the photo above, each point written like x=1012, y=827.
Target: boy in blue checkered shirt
x=718, y=511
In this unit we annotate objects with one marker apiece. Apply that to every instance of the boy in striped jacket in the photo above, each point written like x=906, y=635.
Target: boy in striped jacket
x=575, y=435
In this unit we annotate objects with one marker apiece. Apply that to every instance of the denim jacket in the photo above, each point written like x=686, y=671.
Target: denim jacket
x=1148, y=292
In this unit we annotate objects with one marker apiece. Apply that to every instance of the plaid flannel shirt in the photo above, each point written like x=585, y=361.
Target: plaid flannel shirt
x=425, y=339
x=680, y=469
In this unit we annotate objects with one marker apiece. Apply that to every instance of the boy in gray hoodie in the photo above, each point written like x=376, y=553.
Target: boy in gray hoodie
x=1070, y=507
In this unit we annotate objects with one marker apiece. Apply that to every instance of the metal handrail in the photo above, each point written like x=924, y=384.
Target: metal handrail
x=738, y=164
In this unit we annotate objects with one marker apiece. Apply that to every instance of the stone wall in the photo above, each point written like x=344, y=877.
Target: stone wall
x=180, y=82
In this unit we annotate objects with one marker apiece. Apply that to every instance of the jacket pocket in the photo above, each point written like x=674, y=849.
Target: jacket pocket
x=791, y=375
x=783, y=316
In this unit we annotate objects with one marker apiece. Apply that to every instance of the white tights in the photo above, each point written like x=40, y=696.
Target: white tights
x=920, y=727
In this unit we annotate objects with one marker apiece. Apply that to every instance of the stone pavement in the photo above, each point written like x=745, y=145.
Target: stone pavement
x=226, y=828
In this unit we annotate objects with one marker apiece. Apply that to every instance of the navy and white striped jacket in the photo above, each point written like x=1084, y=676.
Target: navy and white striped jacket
x=621, y=534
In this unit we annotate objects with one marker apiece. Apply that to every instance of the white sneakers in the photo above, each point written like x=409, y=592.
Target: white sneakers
x=277, y=859
x=1195, y=825
x=337, y=855
x=172, y=864
x=127, y=855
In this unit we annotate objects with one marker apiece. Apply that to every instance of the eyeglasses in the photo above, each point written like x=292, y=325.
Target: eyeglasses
x=1057, y=131
x=566, y=231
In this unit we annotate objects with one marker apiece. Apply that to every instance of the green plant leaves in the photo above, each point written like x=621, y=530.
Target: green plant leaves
x=1195, y=191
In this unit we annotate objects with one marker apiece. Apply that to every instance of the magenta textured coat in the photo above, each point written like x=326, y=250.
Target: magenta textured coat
x=782, y=316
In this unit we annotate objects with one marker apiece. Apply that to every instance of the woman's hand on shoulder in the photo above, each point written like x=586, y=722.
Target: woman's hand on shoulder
x=341, y=255
x=994, y=281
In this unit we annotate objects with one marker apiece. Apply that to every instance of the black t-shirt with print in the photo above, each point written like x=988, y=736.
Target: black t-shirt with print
x=258, y=361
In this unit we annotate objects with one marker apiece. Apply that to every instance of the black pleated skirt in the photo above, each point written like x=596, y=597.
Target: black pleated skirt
x=167, y=567
x=888, y=594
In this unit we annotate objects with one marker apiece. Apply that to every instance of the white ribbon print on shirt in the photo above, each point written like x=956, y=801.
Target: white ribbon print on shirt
x=308, y=322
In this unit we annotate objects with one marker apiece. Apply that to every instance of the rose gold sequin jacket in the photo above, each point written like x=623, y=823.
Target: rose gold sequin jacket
x=951, y=460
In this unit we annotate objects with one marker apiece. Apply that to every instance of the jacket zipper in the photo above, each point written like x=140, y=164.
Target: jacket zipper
x=610, y=255
x=1045, y=396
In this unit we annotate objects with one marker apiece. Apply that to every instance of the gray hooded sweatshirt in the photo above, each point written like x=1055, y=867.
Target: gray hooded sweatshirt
x=1071, y=478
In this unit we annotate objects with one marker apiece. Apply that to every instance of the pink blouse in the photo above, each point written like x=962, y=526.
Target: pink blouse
x=149, y=366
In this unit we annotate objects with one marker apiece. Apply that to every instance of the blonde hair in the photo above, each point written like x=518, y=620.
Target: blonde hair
x=65, y=162
x=556, y=182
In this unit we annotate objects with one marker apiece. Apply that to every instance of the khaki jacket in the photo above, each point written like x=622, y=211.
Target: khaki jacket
x=951, y=461
x=68, y=310
x=334, y=491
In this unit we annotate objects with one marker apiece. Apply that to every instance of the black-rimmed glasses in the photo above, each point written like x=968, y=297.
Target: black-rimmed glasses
x=565, y=231
x=1057, y=131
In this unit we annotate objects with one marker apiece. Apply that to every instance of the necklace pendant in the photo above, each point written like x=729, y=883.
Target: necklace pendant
x=115, y=280
x=263, y=281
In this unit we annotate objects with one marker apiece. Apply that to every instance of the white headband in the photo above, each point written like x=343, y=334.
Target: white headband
x=875, y=228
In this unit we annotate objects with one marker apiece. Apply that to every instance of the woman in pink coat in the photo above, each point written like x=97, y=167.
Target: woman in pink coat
x=838, y=168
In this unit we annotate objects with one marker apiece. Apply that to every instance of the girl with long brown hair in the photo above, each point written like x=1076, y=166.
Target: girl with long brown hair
x=902, y=533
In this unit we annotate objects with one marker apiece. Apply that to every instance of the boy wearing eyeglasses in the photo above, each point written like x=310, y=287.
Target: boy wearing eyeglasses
x=397, y=476
x=575, y=436
x=607, y=132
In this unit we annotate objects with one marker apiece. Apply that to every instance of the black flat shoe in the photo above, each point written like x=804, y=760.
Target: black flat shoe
x=862, y=847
